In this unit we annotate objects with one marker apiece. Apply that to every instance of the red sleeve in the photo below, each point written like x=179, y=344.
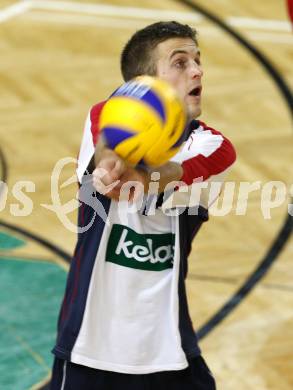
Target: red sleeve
x=95, y=113
x=290, y=9
x=217, y=162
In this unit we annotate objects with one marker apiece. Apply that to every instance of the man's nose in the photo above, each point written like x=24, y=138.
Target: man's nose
x=196, y=70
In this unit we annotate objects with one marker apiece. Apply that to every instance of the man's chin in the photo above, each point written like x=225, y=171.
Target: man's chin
x=193, y=112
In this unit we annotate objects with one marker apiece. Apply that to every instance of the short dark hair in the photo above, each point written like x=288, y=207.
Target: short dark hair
x=137, y=56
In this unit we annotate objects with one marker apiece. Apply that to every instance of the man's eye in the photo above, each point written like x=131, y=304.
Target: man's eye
x=180, y=64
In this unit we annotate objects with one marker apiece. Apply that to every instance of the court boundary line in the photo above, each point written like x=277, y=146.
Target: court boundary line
x=111, y=10
x=233, y=281
x=21, y=7
x=64, y=265
x=101, y=21
x=14, y=10
x=3, y=169
x=47, y=244
x=42, y=382
x=147, y=13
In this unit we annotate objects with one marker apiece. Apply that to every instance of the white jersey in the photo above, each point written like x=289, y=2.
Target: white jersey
x=125, y=305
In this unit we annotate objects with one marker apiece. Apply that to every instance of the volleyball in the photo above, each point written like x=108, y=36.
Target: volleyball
x=143, y=121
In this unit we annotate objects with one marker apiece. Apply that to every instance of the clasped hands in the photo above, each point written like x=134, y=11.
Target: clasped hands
x=117, y=180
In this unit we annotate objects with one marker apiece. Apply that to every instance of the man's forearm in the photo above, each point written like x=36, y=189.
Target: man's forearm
x=102, y=151
x=168, y=173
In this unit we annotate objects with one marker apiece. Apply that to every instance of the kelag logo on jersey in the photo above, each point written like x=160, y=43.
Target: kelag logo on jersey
x=151, y=252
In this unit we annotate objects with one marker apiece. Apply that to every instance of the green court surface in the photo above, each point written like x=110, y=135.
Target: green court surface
x=30, y=296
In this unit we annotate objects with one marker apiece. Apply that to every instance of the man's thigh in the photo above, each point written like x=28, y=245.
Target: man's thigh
x=196, y=376
x=70, y=376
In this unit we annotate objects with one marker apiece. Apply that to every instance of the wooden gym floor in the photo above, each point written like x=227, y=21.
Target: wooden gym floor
x=58, y=59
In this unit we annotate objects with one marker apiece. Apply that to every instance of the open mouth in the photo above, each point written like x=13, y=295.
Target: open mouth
x=195, y=91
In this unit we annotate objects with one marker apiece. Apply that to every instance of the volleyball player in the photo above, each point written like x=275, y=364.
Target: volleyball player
x=124, y=321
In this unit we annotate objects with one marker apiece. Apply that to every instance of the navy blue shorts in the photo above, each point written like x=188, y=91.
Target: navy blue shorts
x=71, y=376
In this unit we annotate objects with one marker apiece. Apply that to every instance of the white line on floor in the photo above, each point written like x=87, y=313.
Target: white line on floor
x=157, y=14
x=117, y=23
x=13, y=10
x=113, y=10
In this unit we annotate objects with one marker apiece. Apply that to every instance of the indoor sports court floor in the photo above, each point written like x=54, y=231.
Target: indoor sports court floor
x=60, y=57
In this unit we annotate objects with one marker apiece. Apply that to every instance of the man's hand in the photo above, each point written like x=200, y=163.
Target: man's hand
x=109, y=169
x=112, y=174
x=119, y=182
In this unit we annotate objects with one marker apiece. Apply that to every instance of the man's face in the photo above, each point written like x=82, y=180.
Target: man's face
x=178, y=62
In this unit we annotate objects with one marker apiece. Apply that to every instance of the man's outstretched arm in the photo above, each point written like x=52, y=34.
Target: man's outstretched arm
x=111, y=171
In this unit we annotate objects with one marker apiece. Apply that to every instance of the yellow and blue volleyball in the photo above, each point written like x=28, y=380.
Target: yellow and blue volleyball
x=143, y=121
